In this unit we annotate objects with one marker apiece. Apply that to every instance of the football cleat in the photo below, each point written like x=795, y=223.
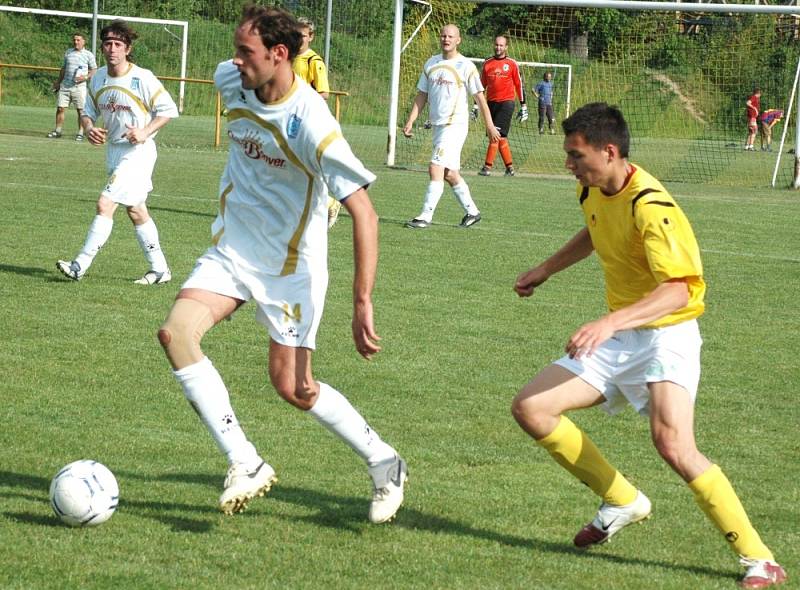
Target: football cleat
x=418, y=223
x=152, y=277
x=470, y=220
x=389, y=480
x=510, y=171
x=243, y=484
x=54, y=134
x=611, y=519
x=485, y=171
x=70, y=269
x=761, y=573
x=333, y=212
x=79, y=137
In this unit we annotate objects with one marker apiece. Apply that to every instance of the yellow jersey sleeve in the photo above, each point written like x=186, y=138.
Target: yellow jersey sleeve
x=669, y=243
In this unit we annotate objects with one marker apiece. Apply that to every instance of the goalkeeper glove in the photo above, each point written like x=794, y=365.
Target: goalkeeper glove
x=522, y=115
x=474, y=114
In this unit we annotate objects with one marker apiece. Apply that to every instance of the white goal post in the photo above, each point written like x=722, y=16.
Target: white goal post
x=184, y=38
x=709, y=141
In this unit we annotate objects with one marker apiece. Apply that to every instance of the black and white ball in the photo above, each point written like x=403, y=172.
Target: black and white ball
x=84, y=493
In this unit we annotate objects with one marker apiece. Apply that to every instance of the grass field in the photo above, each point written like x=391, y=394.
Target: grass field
x=83, y=377
x=717, y=162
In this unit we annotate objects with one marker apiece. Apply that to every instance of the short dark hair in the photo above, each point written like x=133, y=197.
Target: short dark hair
x=118, y=29
x=76, y=34
x=600, y=124
x=275, y=26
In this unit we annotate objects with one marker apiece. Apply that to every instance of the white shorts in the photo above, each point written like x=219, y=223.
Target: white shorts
x=447, y=143
x=74, y=95
x=623, y=365
x=130, y=170
x=289, y=306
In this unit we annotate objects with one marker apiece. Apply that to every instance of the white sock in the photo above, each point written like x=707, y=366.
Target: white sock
x=465, y=198
x=147, y=234
x=203, y=387
x=97, y=236
x=432, y=196
x=335, y=413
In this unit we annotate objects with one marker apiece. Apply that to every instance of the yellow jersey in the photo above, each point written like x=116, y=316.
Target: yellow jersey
x=310, y=67
x=643, y=239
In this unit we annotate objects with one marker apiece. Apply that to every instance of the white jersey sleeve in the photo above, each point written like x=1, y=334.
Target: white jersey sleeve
x=328, y=154
x=474, y=84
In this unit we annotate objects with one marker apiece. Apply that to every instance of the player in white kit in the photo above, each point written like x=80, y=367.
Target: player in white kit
x=134, y=106
x=446, y=82
x=270, y=245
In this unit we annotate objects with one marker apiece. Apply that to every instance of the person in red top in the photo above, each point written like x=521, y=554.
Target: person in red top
x=751, y=110
x=501, y=78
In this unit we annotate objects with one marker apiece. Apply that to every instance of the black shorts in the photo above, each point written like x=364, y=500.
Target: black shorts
x=502, y=112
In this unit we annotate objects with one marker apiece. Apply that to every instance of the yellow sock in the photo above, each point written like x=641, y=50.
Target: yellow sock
x=576, y=453
x=715, y=496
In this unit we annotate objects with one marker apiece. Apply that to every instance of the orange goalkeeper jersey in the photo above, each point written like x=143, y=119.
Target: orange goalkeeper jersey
x=502, y=80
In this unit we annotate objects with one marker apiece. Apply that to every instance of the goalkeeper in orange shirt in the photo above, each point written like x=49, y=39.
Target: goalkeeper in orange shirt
x=501, y=78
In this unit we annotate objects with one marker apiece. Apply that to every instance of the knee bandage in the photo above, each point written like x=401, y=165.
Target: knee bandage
x=182, y=331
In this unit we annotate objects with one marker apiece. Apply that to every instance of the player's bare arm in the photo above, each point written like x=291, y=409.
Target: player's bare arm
x=140, y=134
x=491, y=131
x=365, y=257
x=57, y=83
x=419, y=103
x=578, y=248
x=668, y=297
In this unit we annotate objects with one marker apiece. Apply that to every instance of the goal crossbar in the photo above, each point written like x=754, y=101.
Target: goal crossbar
x=659, y=6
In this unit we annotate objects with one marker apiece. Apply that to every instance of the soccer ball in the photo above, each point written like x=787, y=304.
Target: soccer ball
x=84, y=493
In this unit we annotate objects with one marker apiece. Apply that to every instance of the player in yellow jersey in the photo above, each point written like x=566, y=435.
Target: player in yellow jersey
x=311, y=68
x=645, y=351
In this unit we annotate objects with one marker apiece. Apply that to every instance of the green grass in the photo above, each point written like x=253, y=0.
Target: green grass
x=84, y=378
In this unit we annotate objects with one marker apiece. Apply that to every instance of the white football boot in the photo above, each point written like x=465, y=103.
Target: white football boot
x=242, y=484
x=611, y=519
x=389, y=480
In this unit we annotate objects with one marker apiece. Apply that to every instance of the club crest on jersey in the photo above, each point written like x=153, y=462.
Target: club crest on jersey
x=135, y=82
x=505, y=67
x=293, y=126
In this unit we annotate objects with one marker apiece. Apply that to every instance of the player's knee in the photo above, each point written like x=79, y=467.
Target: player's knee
x=670, y=447
x=183, y=330
x=524, y=409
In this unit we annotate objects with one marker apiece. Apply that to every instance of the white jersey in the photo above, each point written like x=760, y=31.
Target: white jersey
x=273, y=198
x=448, y=83
x=77, y=62
x=134, y=98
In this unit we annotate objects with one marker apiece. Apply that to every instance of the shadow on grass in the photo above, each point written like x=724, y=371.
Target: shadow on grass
x=346, y=513
x=49, y=274
x=349, y=513
x=154, y=510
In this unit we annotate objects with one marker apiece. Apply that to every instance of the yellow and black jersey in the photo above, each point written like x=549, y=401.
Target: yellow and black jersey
x=311, y=68
x=643, y=239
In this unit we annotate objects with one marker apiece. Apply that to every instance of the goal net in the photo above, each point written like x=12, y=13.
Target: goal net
x=681, y=78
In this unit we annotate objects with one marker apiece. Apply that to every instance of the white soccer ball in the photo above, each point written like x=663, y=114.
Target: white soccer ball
x=84, y=493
